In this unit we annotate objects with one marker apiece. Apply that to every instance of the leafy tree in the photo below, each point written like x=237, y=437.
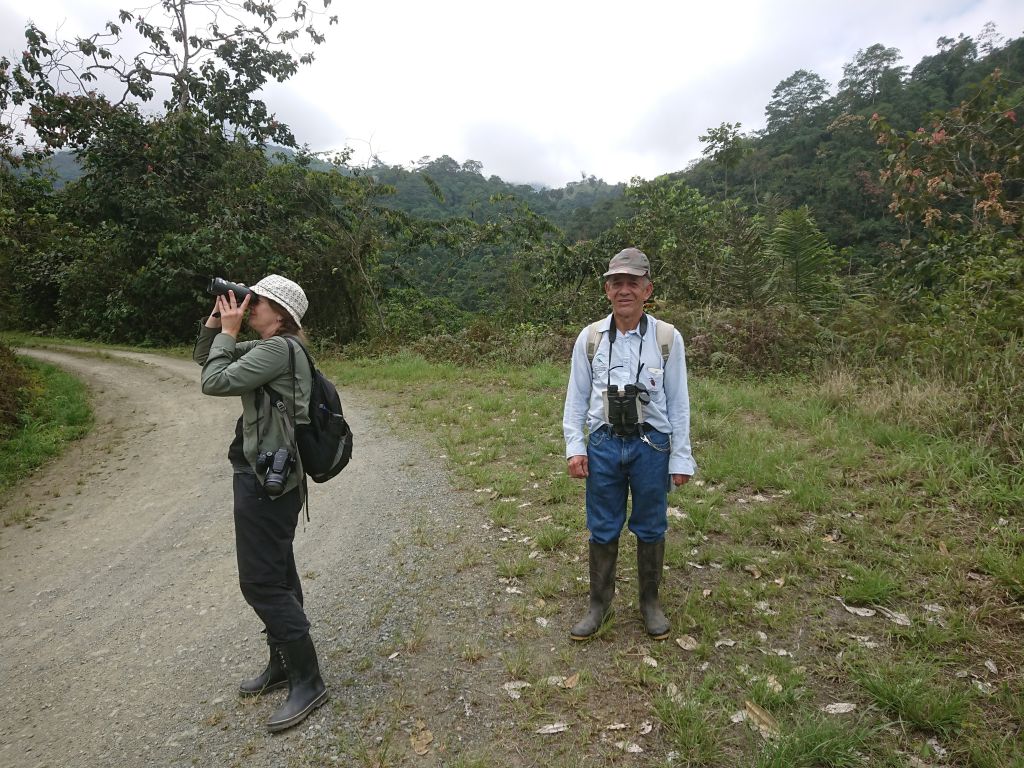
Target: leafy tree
x=726, y=146
x=208, y=57
x=957, y=183
x=676, y=226
x=29, y=225
x=940, y=75
x=967, y=170
x=872, y=72
x=797, y=98
x=989, y=39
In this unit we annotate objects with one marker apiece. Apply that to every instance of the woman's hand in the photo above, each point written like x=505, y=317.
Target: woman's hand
x=231, y=314
x=213, y=321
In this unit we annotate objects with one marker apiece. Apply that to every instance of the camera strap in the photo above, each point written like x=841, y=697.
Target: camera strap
x=277, y=401
x=612, y=333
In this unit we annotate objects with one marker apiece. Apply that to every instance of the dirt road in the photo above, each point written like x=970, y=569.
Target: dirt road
x=123, y=631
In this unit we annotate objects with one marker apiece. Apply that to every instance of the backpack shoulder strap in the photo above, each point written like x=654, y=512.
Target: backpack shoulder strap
x=593, y=339
x=274, y=396
x=665, y=334
x=303, y=491
x=292, y=340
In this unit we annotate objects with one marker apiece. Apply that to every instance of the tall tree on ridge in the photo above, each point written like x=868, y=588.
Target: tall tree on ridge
x=872, y=72
x=796, y=98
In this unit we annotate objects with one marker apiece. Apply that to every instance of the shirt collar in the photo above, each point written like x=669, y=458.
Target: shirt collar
x=607, y=324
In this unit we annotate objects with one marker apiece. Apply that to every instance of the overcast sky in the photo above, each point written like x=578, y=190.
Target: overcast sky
x=543, y=91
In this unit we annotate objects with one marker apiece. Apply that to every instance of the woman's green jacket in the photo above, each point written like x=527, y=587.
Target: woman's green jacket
x=247, y=369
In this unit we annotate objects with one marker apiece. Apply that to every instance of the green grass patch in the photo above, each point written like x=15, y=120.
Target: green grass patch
x=869, y=586
x=817, y=743
x=551, y=537
x=918, y=695
x=694, y=730
x=55, y=411
x=807, y=491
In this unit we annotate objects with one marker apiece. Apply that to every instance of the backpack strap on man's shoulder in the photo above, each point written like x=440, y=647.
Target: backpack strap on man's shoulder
x=665, y=334
x=593, y=339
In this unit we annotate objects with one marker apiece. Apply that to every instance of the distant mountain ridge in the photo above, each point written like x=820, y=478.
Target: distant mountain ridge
x=443, y=188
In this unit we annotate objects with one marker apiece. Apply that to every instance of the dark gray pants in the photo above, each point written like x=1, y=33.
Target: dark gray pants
x=264, y=532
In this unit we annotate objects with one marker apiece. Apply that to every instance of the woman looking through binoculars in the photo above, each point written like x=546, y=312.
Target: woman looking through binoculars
x=268, y=488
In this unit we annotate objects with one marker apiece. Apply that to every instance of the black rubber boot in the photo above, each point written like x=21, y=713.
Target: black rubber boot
x=272, y=678
x=650, y=558
x=602, y=589
x=306, y=690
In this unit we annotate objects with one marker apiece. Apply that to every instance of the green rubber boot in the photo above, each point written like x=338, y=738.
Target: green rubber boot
x=602, y=589
x=650, y=559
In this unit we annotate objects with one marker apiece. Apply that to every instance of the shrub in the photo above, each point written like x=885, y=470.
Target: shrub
x=486, y=341
x=13, y=384
x=766, y=340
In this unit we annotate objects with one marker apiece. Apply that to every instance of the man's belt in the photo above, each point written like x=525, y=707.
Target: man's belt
x=636, y=431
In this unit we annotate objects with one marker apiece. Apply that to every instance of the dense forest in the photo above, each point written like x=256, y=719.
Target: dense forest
x=876, y=224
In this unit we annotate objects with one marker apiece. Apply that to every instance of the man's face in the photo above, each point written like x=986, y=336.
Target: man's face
x=627, y=293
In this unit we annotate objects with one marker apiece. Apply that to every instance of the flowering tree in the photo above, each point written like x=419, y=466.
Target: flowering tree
x=966, y=170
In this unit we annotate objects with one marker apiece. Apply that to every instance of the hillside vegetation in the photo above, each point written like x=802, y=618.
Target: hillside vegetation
x=877, y=226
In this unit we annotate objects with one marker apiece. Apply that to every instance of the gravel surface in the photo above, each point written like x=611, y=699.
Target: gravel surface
x=124, y=634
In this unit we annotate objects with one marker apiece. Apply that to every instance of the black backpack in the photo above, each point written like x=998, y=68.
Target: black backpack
x=325, y=444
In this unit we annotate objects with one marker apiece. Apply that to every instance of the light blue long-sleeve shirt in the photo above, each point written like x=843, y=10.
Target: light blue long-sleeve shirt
x=669, y=409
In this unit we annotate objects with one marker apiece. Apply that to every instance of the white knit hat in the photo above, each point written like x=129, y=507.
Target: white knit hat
x=286, y=293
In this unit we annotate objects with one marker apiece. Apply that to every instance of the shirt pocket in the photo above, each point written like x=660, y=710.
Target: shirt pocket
x=653, y=379
x=600, y=366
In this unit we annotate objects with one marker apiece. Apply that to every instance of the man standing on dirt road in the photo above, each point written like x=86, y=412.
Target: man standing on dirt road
x=628, y=387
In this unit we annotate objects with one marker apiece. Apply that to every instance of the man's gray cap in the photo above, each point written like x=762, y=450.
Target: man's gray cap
x=629, y=261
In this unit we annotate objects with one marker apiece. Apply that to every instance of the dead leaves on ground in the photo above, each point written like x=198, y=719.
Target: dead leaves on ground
x=421, y=738
x=514, y=689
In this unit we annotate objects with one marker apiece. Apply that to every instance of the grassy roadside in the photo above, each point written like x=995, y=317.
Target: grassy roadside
x=56, y=412
x=845, y=587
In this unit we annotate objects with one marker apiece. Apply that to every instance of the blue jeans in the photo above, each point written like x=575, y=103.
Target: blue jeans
x=621, y=465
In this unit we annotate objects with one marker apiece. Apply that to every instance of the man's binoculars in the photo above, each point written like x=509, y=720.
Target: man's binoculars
x=625, y=410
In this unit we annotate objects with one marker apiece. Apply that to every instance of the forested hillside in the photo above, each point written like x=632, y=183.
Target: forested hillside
x=877, y=226
x=822, y=151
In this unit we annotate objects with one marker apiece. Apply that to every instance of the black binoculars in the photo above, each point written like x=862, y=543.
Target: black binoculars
x=626, y=408
x=219, y=287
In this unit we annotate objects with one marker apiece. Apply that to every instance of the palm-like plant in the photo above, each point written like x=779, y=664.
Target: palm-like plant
x=803, y=255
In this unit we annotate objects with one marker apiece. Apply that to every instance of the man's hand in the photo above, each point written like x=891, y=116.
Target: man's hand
x=678, y=480
x=578, y=467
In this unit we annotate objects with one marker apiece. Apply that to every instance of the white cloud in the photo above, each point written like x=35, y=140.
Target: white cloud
x=541, y=91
